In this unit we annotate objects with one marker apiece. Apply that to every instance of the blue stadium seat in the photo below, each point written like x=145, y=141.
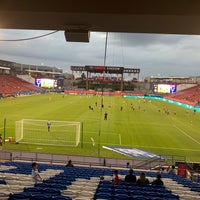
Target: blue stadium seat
x=51, y=188
x=155, y=198
x=61, y=198
x=139, y=198
x=136, y=192
x=32, y=189
x=102, y=195
x=104, y=189
x=20, y=196
x=41, y=197
x=2, y=182
x=51, y=191
x=121, y=197
x=120, y=191
x=170, y=196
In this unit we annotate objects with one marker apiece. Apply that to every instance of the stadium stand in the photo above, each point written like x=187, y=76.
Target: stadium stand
x=190, y=96
x=12, y=86
x=93, y=92
x=27, y=78
x=67, y=183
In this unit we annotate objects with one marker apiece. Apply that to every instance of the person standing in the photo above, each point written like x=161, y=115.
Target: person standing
x=105, y=116
x=128, y=165
x=48, y=126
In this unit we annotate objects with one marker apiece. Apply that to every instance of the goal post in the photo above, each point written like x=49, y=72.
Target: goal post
x=48, y=132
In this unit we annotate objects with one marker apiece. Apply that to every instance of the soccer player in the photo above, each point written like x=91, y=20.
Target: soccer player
x=105, y=116
x=48, y=126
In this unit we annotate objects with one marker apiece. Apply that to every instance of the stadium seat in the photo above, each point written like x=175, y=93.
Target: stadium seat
x=20, y=196
x=102, y=195
x=41, y=197
x=2, y=182
x=66, y=186
x=33, y=189
x=155, y=198
x=51, y=191
x=61, y=198
x=121, y=197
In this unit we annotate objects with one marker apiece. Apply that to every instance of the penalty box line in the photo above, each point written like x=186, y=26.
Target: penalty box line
x=187, y=134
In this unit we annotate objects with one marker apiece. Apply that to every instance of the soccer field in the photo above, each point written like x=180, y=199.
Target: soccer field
x=137, y=123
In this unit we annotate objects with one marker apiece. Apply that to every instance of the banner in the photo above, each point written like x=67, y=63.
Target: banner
x=182, y=170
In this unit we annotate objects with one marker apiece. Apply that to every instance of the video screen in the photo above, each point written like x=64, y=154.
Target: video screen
x=46, y=83
x=164, y=88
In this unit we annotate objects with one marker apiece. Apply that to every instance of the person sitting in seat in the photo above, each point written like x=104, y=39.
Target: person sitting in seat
x=158, y=180
x=116, y=177
x=142, y=179
x=69, y=164
x=35, y=174
x=172, y=170
x=130, y=178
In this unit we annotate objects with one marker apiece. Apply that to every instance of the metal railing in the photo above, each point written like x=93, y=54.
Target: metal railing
x=77, y=160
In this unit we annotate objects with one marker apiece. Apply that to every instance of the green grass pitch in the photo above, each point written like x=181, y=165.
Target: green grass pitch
x=146, y=126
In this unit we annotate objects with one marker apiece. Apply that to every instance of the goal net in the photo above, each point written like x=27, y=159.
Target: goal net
x=44, y=132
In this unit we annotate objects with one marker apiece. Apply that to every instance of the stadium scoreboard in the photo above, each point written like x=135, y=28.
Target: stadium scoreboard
x=105, y=69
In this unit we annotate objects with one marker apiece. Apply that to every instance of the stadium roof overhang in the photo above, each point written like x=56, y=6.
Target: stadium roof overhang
x=42, y=72
x=82, y=16
x=5, y=68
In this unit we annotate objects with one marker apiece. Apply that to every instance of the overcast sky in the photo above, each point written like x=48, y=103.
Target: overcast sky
x=154, y=54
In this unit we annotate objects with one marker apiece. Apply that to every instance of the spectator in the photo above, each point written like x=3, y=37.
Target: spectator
x=104, y=162
x=142, y=179
x=69, y=164
x=127, y=165
x=162, y=171
x=116, y=178
x=35, y=174
x=172, y=170
x=130, y=178
x=158, y=180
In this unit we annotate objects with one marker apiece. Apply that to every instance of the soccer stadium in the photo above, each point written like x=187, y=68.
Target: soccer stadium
x=84, y=134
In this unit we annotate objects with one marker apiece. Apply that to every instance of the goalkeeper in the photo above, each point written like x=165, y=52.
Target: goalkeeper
x=48, y=126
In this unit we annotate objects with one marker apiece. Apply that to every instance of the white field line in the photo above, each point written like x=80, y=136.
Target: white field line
x=186, y=134
x=153, y=147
